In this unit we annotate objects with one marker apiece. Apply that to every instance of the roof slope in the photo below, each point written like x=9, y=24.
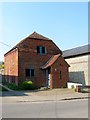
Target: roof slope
x=38, y=36
x=34, y=35
x=50, y=61
x=76, y=51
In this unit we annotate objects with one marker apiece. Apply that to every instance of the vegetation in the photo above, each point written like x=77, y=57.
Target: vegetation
x=75, y=90
x=26, y=85
x=2, y=89
x=2, y=65
x=72, y=86
x=12, y=86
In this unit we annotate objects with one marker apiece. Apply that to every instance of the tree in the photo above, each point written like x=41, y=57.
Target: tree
x=2, y=65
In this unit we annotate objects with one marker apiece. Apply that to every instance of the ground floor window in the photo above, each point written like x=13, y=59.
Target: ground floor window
x=60, y=75
x=30, y=72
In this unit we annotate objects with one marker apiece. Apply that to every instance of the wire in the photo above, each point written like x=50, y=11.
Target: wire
x=5, y=44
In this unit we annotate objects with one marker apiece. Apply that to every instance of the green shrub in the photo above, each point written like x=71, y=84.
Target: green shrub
x=27, y=85
x=2, y=89
x=12, y=86
x=4, y=81
x=72, y=86
x=2, y=66
x=75, y=90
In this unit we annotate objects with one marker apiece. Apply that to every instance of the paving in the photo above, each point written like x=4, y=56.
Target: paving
x=42, y=95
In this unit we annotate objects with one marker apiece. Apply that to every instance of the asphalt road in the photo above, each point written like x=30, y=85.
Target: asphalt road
x=58, y=109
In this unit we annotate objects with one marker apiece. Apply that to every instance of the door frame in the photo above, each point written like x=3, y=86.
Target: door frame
x=48, y=78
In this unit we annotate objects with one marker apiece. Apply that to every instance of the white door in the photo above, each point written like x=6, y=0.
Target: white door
x=48, y=80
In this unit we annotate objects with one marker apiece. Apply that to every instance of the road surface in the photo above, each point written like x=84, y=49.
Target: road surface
x=53, y=109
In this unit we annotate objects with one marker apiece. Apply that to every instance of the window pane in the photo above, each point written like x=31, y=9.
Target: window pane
x=38, y=49
x=43, y=49
x=32, y=72
x=27, y=72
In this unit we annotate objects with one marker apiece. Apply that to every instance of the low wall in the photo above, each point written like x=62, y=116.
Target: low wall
x=69, y=85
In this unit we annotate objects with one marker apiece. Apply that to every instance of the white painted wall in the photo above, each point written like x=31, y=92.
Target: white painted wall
x=69, y=85
x=78, y=70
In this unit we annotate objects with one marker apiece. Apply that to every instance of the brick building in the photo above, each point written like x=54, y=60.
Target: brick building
x=38, y=59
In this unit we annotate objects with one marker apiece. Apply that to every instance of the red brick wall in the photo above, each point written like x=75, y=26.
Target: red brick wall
x=11, y=66
x=28, y=57
x=31, y=44
x=59, y=65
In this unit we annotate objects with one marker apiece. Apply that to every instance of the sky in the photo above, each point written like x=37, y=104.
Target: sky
x=66, y=23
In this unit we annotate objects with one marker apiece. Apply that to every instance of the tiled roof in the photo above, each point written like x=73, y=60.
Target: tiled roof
x=38, y=36
x=50, y=61
x=76, y=51
x=34, y=35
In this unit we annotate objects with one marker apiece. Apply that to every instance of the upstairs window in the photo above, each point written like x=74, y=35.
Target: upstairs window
x=41, y=50
x=30, y=72
x=38, y=49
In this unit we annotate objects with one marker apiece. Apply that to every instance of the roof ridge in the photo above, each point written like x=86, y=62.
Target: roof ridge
x=81, y=50
x=86, y=45
x=36, y=35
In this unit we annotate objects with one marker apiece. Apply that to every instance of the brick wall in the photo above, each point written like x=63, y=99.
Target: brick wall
x=11, y=66
x=28, y=58
x=59, y=65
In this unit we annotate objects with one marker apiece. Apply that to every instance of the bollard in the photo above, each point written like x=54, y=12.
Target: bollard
x=77, y=88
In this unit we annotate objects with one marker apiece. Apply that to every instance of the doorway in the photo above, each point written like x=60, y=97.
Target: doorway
x=48, y=77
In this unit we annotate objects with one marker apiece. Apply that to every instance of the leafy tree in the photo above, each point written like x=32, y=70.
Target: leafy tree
x=2, y=65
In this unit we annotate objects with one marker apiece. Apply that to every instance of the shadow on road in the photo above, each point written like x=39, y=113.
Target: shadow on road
x=13, y=93
x=18, y=93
